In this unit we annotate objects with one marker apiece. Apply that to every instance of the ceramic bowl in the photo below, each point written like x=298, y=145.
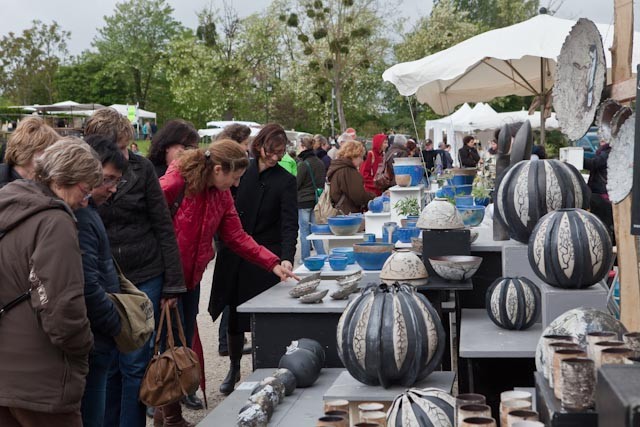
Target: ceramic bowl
x=410, y=223
x=346, y=251
x=411, y=166
x=406, y=233
x=456, y=267
x=481, y=201
x=344, y=225
x=403, y=180
x=462, y=176
x=440, y=215
x=472, y=216
x=338, y=262
x=320, y=229
x=404, y=266
x=314, y=263
x=371, y=256
x=446, y=191
x=464, y=201
x=464, y=190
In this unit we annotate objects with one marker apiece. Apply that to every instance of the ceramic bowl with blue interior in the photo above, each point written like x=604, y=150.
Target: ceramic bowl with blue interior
x=345, y=225
x=411, y=223
x=463, y=190
x=409, y=166
x=472, y=216
x=315, y=262
x=376, y=205
x=346, y=251
x=320, y=229
x=464, y=201
x=406, y=233
x=481, y=201
x=372, y=256
x=338, y=262
x=448, y=191
x=461, y=180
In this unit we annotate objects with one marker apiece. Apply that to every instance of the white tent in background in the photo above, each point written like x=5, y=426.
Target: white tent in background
x=140, y=113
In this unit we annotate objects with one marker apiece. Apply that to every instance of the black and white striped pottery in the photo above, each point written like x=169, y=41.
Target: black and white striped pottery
x=571, y=249
x=429, y=407
x=513, y=302
x=532, y=188
x=577, y=323
x=390, y=335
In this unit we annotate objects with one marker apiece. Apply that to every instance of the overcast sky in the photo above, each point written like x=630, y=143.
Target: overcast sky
x=83, y=17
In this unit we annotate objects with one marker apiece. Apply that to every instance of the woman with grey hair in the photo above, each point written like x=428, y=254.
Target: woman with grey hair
x=43, y=370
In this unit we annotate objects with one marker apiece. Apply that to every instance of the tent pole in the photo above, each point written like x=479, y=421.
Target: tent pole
x=543, y=103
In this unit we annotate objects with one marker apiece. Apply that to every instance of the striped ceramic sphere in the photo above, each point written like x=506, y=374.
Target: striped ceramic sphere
x=532, y=188
x=570, y=248
x=390, y=335
x=429, y=407
x=513, y=302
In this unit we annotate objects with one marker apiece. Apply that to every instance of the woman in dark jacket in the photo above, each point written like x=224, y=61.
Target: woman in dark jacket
x=469, y=156
x=310, y=177
x=346, y=184
x=174, y=137
x=267, y=205
x=599, y=201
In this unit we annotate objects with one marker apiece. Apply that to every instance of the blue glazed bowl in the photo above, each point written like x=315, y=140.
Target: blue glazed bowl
x=464, y=190
x=406, y=233
x=461, y=180
x=464, y=201
x=448, y=191
x=415, y=171
x=346, y=252
x=372, y=256
x=376, y=205
x=320, y=229
x=338, y=263
x=411, y=223
x=344, y=225
x=472, y=216
x=481, y=201
x=314, y=263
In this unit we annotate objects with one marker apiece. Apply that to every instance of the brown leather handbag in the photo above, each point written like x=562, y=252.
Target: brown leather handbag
x=175, y=372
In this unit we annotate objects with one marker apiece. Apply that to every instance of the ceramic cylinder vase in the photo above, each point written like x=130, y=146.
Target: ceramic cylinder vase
x=479, y=422
x=545, y=341
x=515, y=395
x=600, y=346
x=389, y=232
x=429, y=407
x=472, y=411
x=467, y=399
x=390, y=334
x=513, y=302
x=377, y=417
x=512, y=405
x=365, y=407
x=521, y=415
x=632, y=341
x=558, y=357
x=570, y=249
x=578, y=383
x=553, y=347
x=615, y=355
x=530, y=189
x=598, y=336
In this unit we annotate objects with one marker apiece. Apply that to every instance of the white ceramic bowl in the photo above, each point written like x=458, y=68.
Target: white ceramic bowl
x=456, y=267
x=439, y=214
x=404, y=266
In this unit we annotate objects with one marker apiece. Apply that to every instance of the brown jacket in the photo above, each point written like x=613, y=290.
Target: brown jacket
x=345, y=179
x=44, y=341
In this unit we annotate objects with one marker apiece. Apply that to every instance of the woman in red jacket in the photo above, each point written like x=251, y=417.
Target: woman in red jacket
x=369, y=167
x=203, y=178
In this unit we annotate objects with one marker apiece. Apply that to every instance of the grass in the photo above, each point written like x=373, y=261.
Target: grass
x=143, y=146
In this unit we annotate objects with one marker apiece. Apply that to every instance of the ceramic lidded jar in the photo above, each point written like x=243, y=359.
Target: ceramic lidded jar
x=406, y=267
x=439, y=214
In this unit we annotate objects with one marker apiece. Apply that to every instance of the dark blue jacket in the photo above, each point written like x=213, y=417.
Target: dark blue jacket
x=100, y=277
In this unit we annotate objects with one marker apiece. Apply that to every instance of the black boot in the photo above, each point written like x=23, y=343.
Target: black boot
x=235, y=342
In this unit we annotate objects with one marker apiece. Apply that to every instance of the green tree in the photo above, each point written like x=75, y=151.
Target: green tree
x=28, y=62
x=135, y=39
x=497, y=13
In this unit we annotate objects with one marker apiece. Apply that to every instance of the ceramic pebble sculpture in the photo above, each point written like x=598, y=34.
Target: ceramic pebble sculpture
x=513, y=302
x=390, y=335
x=571, y=249
x=429, y=407
x=532, y=188
x=304, y=364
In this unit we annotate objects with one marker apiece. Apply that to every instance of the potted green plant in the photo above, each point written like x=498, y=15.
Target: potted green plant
x=407, y=207
x=481, y=194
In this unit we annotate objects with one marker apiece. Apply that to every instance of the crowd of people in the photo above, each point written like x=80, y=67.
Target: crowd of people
x=73, y=212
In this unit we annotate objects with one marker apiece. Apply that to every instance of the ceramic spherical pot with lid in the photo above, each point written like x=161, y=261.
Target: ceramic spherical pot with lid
x=440, y=215
x=404, y=266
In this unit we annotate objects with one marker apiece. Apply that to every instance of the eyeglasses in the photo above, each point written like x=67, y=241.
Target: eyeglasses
x=86, y=193
x=278, y=154
x=114, y=182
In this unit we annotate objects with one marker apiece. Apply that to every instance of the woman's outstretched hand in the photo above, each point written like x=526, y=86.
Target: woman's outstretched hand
x=284, y=271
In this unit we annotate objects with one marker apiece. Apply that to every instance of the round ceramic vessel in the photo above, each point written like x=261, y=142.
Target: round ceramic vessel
x=456, y=267
x=463, y=190
x=344, y=225
x=472, y=216
x=403, y=180
x=406, y=267
x=406, y=233
x=463, y=201
x=433, y=407
x=345, y=251
x=320, y=229
x=338, y=263
x=372, y=256
x=376, y=205
x=440, y=215
x=314, y=263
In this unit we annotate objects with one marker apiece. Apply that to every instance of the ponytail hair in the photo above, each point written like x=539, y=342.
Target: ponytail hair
x=196, y=166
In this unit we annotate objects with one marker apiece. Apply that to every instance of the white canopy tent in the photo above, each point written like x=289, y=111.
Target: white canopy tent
x=140, y=113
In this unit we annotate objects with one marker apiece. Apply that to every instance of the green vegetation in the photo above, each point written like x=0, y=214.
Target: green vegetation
x=408, y=206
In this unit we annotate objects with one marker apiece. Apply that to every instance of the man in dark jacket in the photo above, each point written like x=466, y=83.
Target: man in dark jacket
x=469, y=156
x=143, y=243
x=600, y=203
x=310, y=178
x=100, y=278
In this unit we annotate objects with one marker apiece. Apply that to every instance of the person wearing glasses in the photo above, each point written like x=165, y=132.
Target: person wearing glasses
x=174, y=137
x=143, y=243
x=100, y=277
x=206, y=177
x=26, y=143
x=266, y=201
x=46, y=336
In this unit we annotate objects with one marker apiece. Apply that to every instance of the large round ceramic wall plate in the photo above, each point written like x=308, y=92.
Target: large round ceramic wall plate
x=580, y=79
x=620, y=162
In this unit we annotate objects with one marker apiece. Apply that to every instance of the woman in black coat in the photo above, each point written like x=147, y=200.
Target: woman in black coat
x=266, y=201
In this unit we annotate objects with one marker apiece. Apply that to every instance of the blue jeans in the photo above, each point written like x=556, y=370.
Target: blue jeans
x=305, y=218
x=95, y=392
x=126, y=372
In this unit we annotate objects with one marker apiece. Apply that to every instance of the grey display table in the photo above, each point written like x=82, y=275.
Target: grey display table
x=302, y=408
